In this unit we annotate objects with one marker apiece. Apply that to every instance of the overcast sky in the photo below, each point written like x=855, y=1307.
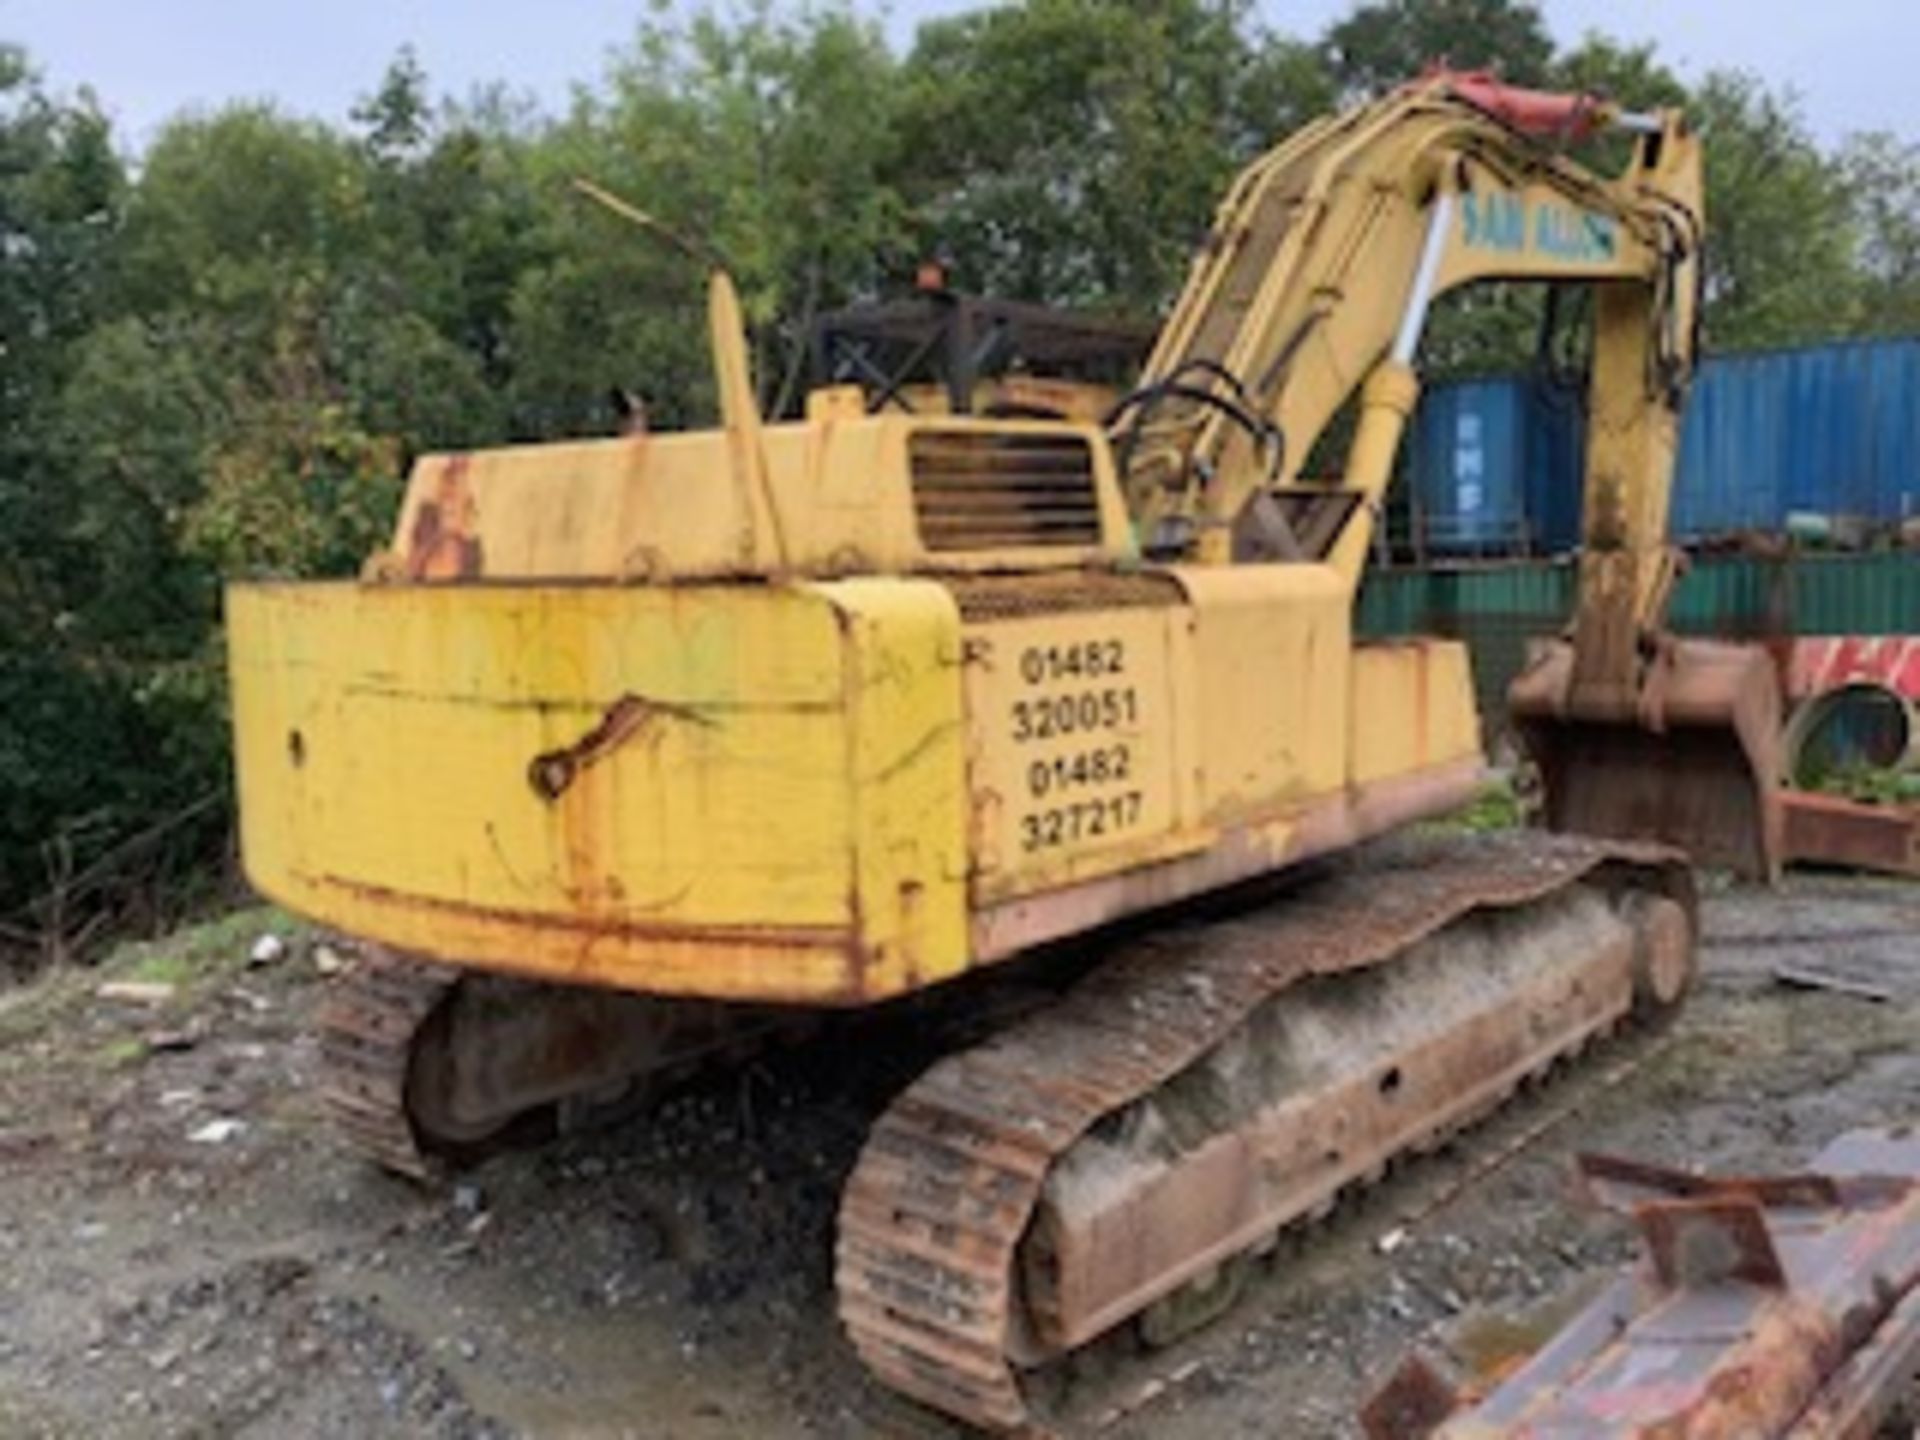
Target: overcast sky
x=1851, y=60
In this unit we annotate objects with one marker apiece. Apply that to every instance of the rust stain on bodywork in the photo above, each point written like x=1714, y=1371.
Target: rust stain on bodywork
x=444, y=542
x=724, y=962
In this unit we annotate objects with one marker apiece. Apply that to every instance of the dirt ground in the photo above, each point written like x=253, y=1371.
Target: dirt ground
x=163, y=1274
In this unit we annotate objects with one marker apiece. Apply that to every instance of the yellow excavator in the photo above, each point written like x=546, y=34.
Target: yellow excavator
x=629, y=751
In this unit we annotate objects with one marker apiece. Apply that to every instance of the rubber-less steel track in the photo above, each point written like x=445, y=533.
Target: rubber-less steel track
x=426, y=1065
x=367, y=1032
x=933, y=1291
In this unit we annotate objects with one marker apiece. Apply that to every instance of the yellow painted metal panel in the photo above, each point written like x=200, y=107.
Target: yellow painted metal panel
x=585, y=508
x=1412, y=708
x=1271, y=656
x=390, y=743
x=427, y=707
x=906, y=779
x=669, y=507
x=1071, y=746
x=1539, y=232
x=771, y=792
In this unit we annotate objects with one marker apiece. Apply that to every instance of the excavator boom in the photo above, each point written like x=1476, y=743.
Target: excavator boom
x=1317, y=278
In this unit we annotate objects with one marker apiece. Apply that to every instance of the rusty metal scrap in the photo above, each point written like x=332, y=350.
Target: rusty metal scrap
x=1826, y=976
x=1832, y=830
x=1768, y=1308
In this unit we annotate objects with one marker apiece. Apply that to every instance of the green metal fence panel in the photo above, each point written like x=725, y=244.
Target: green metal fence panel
x=1401, y=602
x=1392, y=602
x=1857, y=594
x=1736, y=597
x=1497, y=609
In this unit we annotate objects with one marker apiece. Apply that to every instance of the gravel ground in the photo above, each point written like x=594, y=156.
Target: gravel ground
x=162, y=1273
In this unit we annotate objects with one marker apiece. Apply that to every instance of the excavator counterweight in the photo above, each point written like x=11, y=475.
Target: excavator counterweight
x=631, y=755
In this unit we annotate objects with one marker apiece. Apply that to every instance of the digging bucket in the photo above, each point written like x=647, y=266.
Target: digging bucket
x=1693, y=761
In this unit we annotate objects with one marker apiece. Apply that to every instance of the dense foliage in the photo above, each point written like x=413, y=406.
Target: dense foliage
x=218, y=356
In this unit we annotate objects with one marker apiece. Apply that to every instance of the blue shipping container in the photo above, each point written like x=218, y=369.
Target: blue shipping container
x=1829, y=430
x=1556, y=461
x=1486, y=457
x=1469, y=450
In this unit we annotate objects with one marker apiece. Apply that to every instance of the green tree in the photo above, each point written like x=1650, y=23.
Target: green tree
x=73, y=751
x=297, y=486
x=766, y=143
x=1633, y=75
x=1388, y=42
x=454, y=221
x=135, y=424
x=62, y=193
x=229, y=361
x=1781, y=239
x=397, y=117
x=231, y=206
x=1071, y=150
x=1883, y=181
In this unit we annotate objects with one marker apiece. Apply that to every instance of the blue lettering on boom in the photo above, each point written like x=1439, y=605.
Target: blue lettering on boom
x=1494, y=221
x=1498, y=220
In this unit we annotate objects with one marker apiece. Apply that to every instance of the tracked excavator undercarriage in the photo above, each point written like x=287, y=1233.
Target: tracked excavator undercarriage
x=639, y=754
x=1121, y=1151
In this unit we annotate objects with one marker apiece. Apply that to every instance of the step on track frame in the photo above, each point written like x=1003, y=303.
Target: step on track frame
x=948, y=1287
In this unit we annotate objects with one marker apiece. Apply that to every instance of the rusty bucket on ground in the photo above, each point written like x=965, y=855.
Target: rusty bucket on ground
x=1691, y=757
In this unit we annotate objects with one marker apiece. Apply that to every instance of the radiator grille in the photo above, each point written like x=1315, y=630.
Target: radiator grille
x=979, y=491
x=1061, y=592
